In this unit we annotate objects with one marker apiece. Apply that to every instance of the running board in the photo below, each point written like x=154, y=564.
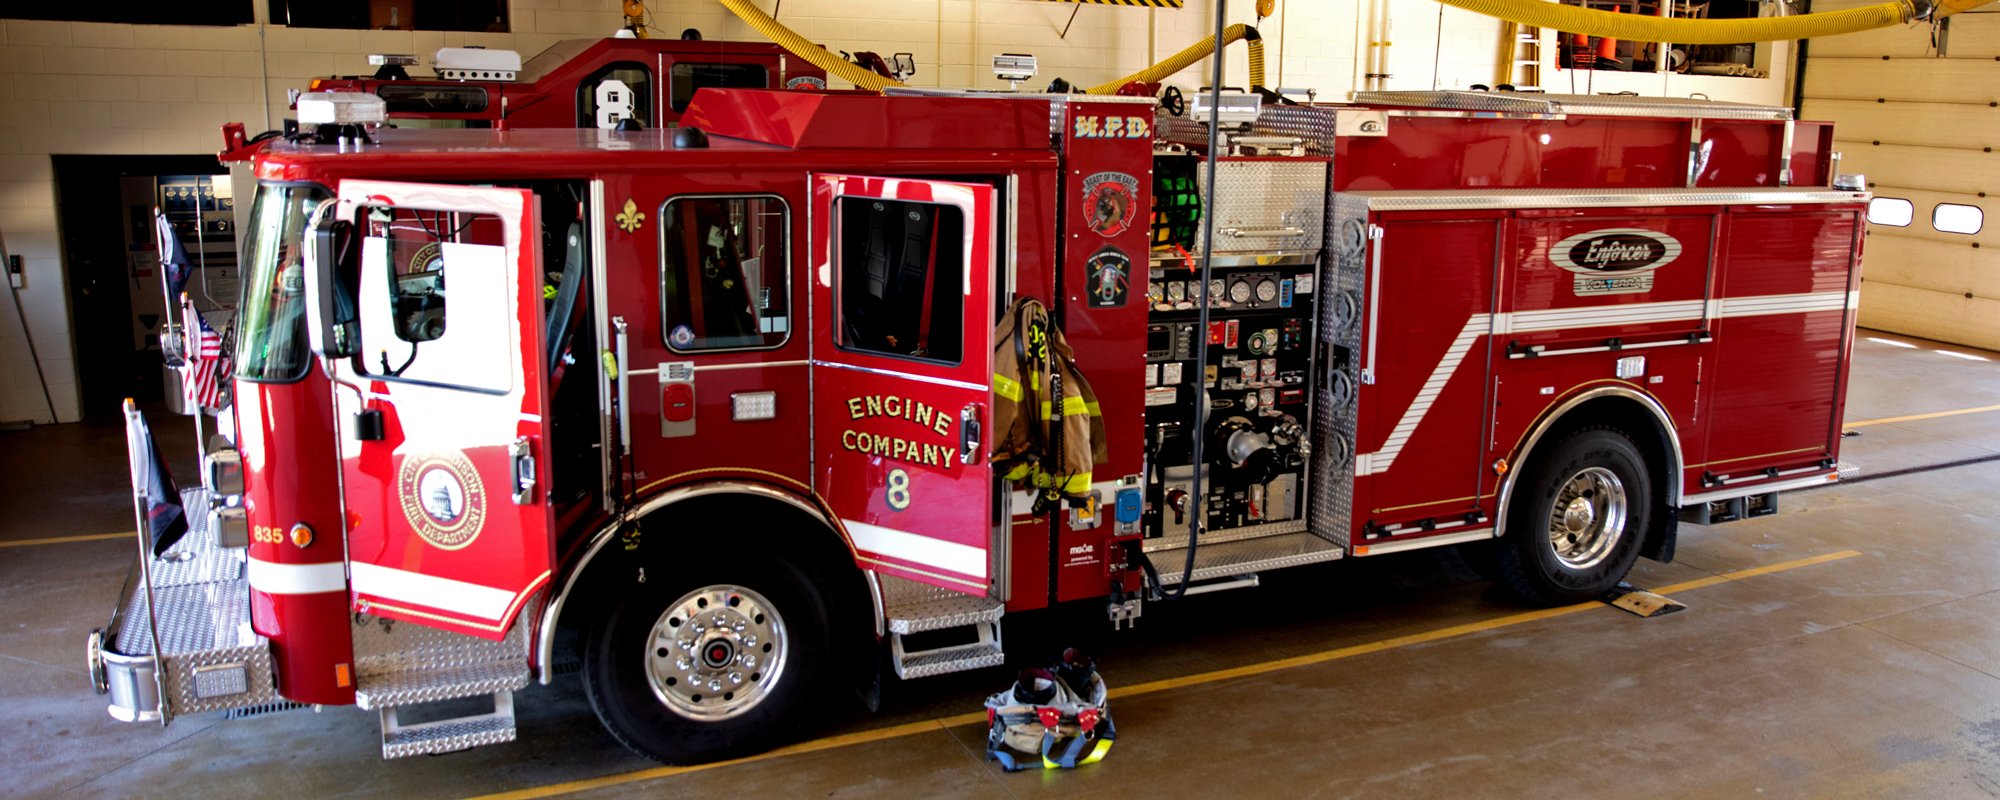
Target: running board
x=1245, y=557
x=401, y=739
x=910, y=607
x=397, y=667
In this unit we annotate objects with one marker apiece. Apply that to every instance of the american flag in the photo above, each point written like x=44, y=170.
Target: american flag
x=206, y=368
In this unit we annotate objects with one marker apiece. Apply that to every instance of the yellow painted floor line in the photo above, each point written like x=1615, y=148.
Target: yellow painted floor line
x=95, y=537
x=1150, y=687
x=1914, y=417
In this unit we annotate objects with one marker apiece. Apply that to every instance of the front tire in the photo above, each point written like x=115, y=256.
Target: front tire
x=1577, y=518
x=702, y=663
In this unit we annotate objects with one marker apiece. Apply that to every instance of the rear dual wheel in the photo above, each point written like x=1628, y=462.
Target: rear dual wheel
x=1576, y=519
x=705, y=662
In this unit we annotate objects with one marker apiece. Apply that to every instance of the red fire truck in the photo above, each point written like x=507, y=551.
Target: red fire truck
x=710, y=409
x=576, y=83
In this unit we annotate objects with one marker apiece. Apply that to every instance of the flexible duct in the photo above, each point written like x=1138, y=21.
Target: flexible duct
x=799, y=46
x=1188, y=56
x=1572, y=19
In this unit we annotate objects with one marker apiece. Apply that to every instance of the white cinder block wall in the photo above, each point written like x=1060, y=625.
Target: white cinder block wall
x=101, y=89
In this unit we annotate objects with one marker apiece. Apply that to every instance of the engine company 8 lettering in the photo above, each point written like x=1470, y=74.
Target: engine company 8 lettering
x=923, y=416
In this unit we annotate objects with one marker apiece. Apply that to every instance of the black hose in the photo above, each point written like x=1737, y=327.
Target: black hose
x=1201, y=326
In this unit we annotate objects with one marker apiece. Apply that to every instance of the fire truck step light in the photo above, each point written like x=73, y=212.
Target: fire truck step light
x=220, y=680
x=749, y=406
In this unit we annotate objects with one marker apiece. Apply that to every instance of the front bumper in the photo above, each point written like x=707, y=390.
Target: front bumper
x=180, y=641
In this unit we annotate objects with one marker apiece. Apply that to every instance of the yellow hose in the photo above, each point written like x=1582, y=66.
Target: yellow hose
x=1193, y=53
x=799, y=46
x=1637, y=27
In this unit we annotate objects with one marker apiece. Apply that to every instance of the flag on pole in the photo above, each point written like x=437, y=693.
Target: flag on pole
x=173, y=257
x=205, y=368
x=166, y=518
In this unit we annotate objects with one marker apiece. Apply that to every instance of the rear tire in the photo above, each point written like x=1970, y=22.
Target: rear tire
x=1577, y=519
x=709, y=660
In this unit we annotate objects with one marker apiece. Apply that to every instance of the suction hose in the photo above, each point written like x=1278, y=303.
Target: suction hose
x=799, y=46
x=1196, y=52
x=1572, y=19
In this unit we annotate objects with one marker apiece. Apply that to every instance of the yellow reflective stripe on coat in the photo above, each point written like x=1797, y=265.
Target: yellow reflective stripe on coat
x=1072, y=407
x=1007, y=387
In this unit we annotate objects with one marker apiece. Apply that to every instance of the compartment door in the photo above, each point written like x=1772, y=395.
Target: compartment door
x=902, y=351
x=442, y=442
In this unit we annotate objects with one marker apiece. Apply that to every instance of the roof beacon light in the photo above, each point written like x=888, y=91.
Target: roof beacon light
x=1234, y=108
x=389, y=66
x=476, y=64
x=341, y=108
x=1014, y=68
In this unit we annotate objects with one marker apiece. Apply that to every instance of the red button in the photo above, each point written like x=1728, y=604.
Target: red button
x=677, y=402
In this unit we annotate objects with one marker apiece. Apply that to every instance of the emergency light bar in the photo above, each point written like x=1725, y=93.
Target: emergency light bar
x=341, y=108
x=396, y=59
x=1235, y=108
x=476, y=64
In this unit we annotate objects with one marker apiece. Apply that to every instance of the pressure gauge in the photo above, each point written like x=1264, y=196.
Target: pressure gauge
x=1156, y=292
x=1250, y=402
x=1239, y=292
x=1267, y=290
x=1215, y=290
x=1177, y=292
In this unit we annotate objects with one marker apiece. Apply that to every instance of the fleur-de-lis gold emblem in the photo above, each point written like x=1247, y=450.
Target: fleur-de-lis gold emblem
x=631, y=218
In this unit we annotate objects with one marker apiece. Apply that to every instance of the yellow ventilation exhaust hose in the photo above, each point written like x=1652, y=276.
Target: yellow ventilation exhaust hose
x=1635, y=27
x=799, y=46
x=1196, y=52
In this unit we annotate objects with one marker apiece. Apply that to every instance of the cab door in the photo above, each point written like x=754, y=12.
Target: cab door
x=443, y=446
x=902, y=363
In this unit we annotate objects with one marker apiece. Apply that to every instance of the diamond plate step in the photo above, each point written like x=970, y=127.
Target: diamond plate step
x=913, y=607
x=944, y=660
x=449, y=735
x=429, y=686
x=403, y=663
x=1229, y=559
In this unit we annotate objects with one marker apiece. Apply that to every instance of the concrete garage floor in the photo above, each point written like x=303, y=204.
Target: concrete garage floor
x=1847, y=647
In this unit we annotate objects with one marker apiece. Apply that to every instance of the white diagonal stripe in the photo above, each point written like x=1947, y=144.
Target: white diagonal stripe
x=431, y=591
x=1573, y=318
x=963, y=559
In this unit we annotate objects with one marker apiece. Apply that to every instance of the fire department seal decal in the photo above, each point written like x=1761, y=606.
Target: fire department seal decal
x=442, y=498
x=1615, y=260
x=805, y=82
x=1110, y=275
x=1110, y=202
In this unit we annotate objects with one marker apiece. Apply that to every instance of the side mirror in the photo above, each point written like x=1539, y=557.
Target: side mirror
x=331, y=321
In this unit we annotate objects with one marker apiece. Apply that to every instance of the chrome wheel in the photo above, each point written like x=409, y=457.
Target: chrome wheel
x=1587, y=519
x=716, y=652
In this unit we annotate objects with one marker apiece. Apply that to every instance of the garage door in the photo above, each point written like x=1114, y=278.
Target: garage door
x=1922, y=123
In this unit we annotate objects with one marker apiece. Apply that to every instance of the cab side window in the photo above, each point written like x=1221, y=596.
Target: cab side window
x=902, y=278
x=434, y=298
x=724, y=273
x=615, y=93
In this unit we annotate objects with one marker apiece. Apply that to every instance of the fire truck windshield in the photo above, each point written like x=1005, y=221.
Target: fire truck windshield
x=271, y=340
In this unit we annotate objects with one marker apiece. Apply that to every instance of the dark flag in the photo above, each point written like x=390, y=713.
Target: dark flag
x=166, y=520
x=173, y=257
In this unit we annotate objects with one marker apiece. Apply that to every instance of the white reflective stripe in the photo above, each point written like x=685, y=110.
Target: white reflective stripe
x=1441, y=375
x=1556, y=319
x=431, y=591
x=1783, y=304
x=963, y=559
x=271, y=577
x=1572, y=318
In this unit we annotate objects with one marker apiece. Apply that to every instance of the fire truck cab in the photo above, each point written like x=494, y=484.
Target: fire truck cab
x=711, y=409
